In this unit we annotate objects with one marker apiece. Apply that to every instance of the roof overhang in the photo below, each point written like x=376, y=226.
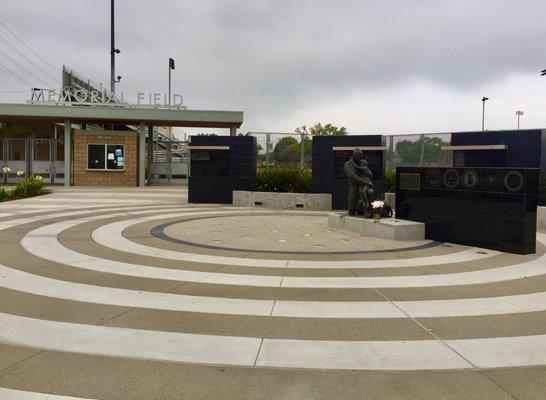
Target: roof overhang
x=119, y=115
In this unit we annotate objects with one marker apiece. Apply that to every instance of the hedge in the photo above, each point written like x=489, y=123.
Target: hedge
x=286, y=178
x=25, y=188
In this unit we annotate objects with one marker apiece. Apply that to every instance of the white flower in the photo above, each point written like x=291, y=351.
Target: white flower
x=6, y=170
x=39, y=178
x=20, y=173
x=378, y=204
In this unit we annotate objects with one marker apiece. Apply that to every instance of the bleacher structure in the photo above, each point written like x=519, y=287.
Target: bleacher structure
x=170, y=159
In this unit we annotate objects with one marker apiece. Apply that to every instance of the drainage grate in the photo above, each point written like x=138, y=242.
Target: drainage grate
x=257, y=203
x=299, y=205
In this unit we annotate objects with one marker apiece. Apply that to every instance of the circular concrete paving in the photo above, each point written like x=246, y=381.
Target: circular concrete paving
x=278, y=232
x=93, y=305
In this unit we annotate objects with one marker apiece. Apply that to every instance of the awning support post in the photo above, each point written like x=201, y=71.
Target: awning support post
x=67, y=152
x=142, y=155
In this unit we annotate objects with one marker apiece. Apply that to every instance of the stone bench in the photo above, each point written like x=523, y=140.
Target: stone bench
x=386, y=228
x=283, y=201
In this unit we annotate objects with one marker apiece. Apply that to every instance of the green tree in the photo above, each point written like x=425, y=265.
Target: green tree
x=317, y=130
x=286, y=151
x=322, y=130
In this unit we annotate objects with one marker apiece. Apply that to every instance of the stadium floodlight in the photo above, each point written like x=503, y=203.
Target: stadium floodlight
x=519, y=114
x=484, y=99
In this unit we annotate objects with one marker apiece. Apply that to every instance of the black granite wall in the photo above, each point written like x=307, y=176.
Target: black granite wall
x=493, y=208
x=525, y=149
x=327, y=165
x=214, y=174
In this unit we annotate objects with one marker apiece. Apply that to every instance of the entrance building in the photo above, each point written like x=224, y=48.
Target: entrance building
x=87, y=145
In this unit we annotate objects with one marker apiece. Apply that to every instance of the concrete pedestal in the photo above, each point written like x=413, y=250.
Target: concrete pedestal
x=386, y=228
x=390, y=199
x=541, y=217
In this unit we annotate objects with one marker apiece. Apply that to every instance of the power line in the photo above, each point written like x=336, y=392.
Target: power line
x=15, y=76
x=9, y=85
x=28, y=47
x=22, y=67
x=15, y=49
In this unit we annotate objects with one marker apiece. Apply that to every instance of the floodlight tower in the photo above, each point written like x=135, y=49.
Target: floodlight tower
x=484, y=99
x=519, y=114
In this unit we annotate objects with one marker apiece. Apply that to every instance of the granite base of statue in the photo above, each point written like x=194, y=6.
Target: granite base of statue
x=361, y=191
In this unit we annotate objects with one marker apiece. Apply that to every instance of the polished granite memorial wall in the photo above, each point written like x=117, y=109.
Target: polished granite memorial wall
x=524, y=149
x=493, y=208
x=327, y=164
x=216, y=173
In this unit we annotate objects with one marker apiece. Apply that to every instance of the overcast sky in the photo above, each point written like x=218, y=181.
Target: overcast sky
x=372, y=66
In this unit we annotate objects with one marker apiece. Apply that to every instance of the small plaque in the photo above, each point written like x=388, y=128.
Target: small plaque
x=410, y=181
x=513, y=181
x=200, y=156
x=470, y=179
x=451, y=178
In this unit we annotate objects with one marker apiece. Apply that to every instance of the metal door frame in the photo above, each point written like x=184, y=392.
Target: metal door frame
x=168, y=179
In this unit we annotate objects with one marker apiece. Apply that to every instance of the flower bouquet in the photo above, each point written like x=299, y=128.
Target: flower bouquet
x=377, y=208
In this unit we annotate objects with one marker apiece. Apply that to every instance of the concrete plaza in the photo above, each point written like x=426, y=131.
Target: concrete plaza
x=136, y=294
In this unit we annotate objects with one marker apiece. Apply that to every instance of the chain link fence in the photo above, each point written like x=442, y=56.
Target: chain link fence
x=418, y=150
x=283, y=148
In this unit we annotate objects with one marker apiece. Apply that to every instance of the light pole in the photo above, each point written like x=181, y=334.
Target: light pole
x=171, y=67
x=484, y=99
x=519, y=114
x=113, y=52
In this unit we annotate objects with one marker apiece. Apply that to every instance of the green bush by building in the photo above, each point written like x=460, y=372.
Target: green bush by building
x=25, y=188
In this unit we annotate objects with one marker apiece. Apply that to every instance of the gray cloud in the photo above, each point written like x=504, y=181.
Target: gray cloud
x=269, y=58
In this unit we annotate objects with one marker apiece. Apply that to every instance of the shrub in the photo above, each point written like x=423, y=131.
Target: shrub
x=28, y=187
x=3, y=194
x=286, y=178
x=390, y=181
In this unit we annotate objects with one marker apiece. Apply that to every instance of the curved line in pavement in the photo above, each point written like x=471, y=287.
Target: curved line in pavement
x=21, y=281
x=282, y=353
x=43, y=243
x=110, y=235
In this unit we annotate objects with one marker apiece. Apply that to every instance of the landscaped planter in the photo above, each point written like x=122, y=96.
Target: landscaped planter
x=283, y=201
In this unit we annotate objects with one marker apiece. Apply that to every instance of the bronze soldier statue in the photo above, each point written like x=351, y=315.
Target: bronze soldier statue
x=359, y=178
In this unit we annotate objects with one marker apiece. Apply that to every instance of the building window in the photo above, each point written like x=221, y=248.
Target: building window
x=106, y=157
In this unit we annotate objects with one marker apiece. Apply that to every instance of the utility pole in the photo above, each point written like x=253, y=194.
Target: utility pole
x=484, y=99
x=113, y=52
